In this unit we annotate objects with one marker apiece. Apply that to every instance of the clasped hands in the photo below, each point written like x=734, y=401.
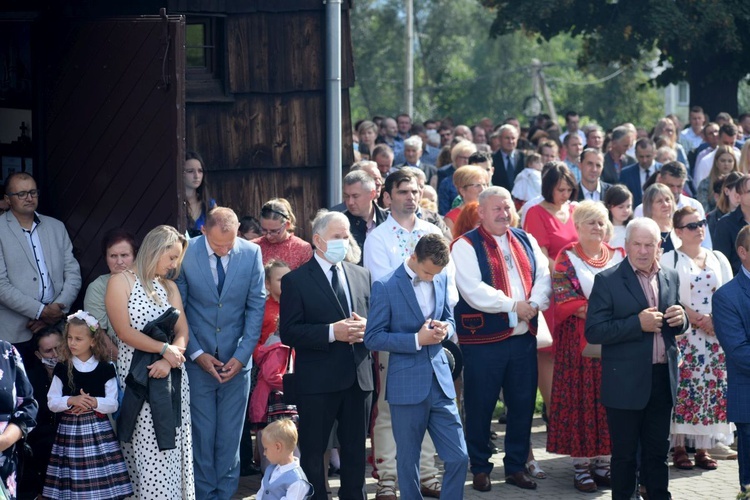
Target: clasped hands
x=51, y=314
x=82, y=404
x=526, y=311
x=432, y=332
x=222, y=372
x=350, y=330
x=652, y=319
x=173, y=357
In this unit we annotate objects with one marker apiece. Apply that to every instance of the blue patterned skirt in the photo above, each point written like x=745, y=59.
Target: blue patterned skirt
x=86, y=461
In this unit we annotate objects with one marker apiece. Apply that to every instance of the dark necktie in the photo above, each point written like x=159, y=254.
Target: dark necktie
x=339, y=290
x=220, y=273
x=509, y=168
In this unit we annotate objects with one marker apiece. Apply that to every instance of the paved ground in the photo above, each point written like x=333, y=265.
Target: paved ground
x=696, y=484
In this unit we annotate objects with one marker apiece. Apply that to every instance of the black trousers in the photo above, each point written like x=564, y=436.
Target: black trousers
x=648, y=427
x=317, y=413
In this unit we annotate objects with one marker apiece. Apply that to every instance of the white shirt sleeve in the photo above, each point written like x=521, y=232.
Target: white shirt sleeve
x=477, y=293
x=542, y=289
x=376, y=258
x=55, y=400
x=297, y=491
x=109, y=403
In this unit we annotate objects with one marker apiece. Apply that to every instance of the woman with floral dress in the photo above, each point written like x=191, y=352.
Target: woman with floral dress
x=700, y=412
x=18, y=411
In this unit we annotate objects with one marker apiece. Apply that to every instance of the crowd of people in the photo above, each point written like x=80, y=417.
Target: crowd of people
x=466, y=265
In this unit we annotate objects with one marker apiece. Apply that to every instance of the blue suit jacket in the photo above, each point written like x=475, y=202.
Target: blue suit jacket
x=631, y=176
x=732, y=324
x=230, y=323
x=395, y=317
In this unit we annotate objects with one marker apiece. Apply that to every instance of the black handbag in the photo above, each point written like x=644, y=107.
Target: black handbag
x=288, y=381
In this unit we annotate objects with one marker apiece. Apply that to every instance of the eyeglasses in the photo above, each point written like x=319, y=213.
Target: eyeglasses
x=23, y=194
x=273, y=232
x=478, y=185
x=692, y=226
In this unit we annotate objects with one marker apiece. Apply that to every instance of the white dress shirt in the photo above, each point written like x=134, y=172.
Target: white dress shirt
x=390, y=244
x=485, y=297
x=425, y=292
x=46, y=288
x=592, y=195
x=326, y=267
x=58, y=403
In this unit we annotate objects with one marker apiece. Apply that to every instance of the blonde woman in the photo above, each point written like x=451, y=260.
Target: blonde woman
x=159, y=455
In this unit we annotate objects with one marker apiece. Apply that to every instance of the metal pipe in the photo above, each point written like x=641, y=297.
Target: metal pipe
x=409, y=77
x=333, y=100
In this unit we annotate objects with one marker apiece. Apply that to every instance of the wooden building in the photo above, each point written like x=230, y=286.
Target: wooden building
x=116, y=93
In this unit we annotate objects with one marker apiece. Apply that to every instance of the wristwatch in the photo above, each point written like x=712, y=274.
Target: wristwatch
x=534, y=305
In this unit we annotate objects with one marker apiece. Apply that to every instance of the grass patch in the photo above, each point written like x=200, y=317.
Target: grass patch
x=500, y=406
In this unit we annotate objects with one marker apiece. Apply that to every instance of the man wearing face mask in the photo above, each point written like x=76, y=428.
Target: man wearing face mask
x=323, y=310
x=47, y=346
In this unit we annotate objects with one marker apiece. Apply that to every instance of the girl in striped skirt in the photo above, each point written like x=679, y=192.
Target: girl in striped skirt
x=86, y=460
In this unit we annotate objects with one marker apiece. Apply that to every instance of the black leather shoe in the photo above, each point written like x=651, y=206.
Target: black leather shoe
x=249, y=470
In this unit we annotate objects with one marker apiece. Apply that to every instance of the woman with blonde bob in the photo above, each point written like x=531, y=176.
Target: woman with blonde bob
x=134, y=298
x=470, y=181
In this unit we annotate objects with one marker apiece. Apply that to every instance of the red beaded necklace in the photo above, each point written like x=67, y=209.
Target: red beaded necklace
x=600, y=262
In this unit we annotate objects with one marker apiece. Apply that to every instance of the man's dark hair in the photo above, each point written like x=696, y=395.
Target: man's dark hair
x=250, y=223
x=728, y=129
x=380, y=149
x=429, y=122
x=396, y=179
x=480, y=157
x=570, y=114
x=644, y=142
x=434, y=247
x=589, y=151
x=416, y=129
x=743, y=238
x=697, y=109
x=675, y=169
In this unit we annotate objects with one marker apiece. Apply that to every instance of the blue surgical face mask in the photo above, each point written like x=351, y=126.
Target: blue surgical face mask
x=336, y=250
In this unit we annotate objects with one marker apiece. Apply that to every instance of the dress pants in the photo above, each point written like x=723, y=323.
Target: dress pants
x=509, y=365
x=438, y=415
x=743, y=453
x=317, y=413
x=648, y=427
x=218, y=413
x=383, y=442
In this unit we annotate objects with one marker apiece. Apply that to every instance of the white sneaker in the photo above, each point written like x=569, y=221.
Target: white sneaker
x=723, y=452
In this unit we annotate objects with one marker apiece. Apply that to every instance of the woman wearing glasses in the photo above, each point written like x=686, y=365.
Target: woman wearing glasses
x=278, y=241
x=470, y=181
x=699, y=418
x=197, y=200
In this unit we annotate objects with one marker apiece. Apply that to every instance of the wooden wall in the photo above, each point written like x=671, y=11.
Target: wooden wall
x=270, y=141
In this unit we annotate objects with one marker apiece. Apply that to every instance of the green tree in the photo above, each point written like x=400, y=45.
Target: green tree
x=463, y=73
x=704, y=42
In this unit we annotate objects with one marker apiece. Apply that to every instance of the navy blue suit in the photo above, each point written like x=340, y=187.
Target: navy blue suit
x=419, y=386
x=732, y=324
x=632, y=177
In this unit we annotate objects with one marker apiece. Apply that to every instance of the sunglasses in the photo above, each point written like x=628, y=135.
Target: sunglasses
x=692, y=226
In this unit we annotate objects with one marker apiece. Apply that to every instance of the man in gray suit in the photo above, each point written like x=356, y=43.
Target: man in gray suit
x=222, y=288
x=634, y=312
x=39, y=277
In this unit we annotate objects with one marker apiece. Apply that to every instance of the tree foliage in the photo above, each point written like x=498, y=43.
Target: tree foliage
x=705, y=42
x=463, y=73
